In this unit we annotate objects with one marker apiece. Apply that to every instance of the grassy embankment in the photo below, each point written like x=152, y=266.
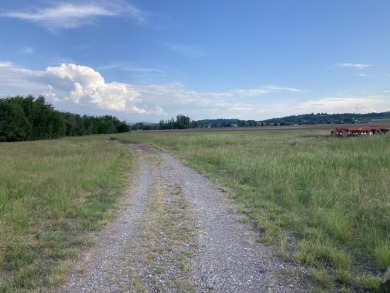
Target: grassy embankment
x=324, y=201
x=51, y=194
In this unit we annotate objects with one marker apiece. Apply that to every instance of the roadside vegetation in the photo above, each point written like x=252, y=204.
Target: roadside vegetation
x=52, y=194
x=323, y=201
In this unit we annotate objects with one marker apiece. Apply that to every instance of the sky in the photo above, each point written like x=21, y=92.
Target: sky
x=150, y=60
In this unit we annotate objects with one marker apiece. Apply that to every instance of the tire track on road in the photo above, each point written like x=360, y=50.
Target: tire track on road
x=176, y=232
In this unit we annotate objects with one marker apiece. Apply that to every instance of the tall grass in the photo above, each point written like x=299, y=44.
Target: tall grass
x=332, y=194
x=51, y=193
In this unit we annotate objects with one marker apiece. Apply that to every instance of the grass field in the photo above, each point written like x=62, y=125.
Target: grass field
x=51, y=194
x=323, y=201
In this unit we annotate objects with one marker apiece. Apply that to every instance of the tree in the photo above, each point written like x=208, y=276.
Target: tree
x=27, y=118
x=47, y=123
x=122, y=127
x=14, y=126
x=182, y=122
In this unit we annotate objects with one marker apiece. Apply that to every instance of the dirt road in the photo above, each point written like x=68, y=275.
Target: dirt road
x=176, y=232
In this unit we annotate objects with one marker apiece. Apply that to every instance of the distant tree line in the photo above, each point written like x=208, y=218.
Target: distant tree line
x=184, y=122
x=305, y=119
x=215, y=123
x=29, y=118
x=324, y=118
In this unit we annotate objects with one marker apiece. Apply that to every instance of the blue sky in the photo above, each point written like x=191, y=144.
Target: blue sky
x=151, y=60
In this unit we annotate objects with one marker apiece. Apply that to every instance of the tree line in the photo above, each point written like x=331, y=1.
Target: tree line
x=181, y=122
x=29, y=118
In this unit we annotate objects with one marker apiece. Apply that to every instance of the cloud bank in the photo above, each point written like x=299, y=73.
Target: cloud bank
x=82, y=89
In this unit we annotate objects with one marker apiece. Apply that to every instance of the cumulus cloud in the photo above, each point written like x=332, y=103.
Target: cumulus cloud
x=75, y=87
x=83, y=90
x=82, y=84
x=70, y=84
x=354, y=65
x=63, y=15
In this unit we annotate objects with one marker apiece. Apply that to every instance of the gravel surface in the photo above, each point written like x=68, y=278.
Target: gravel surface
x=177, y=232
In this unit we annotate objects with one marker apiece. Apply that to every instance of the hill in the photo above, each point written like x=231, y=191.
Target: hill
x=324, y=118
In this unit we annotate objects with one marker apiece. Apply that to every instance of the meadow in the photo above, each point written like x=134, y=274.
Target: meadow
x=52, y=194
x=324, y=202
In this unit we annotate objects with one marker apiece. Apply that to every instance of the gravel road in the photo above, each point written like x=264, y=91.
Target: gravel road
x=177, y=232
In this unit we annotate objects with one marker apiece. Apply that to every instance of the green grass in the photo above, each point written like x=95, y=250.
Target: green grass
x=51, y=194
x=332, y=194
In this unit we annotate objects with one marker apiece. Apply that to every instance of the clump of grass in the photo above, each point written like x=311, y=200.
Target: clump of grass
x=319, y=252
x=343, y=276
x=322, y=278
x=331, y=192
x=382, y=255
x=368, y=282
x=51, y=193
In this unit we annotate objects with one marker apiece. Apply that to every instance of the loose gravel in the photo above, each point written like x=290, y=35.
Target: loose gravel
x=203, y=248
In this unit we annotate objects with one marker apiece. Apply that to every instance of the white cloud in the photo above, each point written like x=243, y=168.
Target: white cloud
x=354, y=65
x=135, y=109
x=63, y=15
x=69, y=85
x=262, y=91
x=140, y=74
x=5, y=64
x=365, y=104
x=81, y=89
x=82, y=84
x=236, y=103
x=182, y=94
